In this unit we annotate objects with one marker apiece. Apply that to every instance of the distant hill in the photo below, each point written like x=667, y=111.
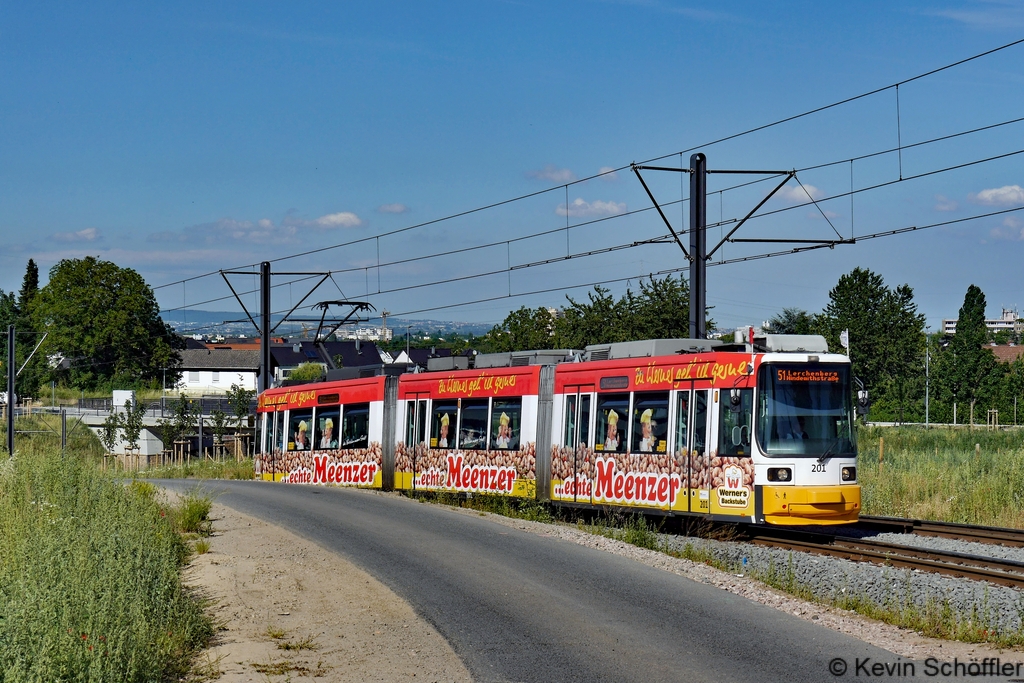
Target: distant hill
x=192, y=321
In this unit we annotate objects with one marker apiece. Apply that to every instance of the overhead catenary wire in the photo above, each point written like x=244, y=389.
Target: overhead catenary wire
x=633, y=212
x=657, y=240
x=682, y=269
x=720, y=140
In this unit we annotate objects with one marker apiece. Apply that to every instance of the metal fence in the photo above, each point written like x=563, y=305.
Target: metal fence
x=164, y=408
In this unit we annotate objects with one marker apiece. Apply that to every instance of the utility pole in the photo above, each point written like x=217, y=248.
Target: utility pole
x=11, y=376
x=265, y=381
x=699, y=255
x=927, y=378
x=698, y=246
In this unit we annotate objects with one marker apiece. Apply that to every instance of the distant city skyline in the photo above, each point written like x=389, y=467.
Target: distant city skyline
x=179, y=140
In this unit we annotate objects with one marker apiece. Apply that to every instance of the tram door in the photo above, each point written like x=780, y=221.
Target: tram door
x=415, y=438
x=698, y=468
x=577, y=440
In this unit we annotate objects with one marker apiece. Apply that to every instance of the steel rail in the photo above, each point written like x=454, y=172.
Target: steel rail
x=961, y=565
x=964, y=532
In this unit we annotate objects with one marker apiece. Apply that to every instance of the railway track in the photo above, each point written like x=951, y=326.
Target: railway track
x=963, y=532
x=961, y=565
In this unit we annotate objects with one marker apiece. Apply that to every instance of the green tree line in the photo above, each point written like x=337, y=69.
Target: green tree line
x=96, y=326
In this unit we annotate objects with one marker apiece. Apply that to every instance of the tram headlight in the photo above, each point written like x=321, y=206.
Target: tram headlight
x=849, y=474
x=780, y=474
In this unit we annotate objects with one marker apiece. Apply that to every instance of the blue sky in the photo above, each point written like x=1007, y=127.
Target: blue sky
x=187, y=138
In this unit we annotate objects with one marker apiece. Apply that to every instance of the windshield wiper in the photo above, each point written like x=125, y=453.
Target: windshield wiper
x=828, y=451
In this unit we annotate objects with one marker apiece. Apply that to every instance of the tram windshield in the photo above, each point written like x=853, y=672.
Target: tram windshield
x=805, y=410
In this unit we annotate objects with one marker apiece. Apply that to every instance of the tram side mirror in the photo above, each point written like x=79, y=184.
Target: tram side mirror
x=862, y=402
x=735, y=400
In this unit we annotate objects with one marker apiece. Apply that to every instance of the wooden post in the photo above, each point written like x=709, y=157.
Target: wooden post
x=881, y=451
x=977, y=450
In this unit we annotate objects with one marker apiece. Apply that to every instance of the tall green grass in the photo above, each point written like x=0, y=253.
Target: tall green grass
x=937, y=474
x=204, y=469
x=90, y=583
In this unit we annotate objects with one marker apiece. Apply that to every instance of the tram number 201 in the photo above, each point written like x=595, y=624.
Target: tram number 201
x=818, y=467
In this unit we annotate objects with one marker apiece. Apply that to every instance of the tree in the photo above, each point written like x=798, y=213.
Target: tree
x=660, y=310
x=219, y=422
x=307, y=372
x=886, y=333
x=239, y=398
x=967, y=369
x=524, y=329
x=29, y=286
x=792, y=321
x=106, y=321
x=109, y=429
x=132, y=423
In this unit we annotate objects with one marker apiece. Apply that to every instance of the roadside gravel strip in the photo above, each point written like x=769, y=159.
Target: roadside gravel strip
x=287, y=608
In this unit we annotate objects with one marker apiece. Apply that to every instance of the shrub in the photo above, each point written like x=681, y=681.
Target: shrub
x=90, y=585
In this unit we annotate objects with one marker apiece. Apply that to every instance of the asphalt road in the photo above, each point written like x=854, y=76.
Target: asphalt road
x=517, y=606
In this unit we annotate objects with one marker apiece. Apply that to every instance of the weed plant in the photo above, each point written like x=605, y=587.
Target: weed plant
x=937, y=474
x=90, y=583
x=204, y=469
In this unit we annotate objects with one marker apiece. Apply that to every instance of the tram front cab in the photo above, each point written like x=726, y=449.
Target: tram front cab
x=806, y=442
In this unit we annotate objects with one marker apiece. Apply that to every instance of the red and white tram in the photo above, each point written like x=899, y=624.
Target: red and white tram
x=758, y=432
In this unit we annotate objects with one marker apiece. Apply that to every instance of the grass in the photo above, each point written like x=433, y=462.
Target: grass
x=90, y=576
x=204, y=469
x=938, y=474
x=307, y=643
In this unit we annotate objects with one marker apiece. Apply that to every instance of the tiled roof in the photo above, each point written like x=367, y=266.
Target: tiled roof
x=220, y=359
x=1006, y=353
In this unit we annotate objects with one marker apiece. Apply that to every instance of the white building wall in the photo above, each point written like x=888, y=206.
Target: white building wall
x=208, y=382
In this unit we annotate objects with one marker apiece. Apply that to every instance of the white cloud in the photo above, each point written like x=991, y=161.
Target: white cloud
x=265, y=223
x=555, y=175
x=944, y=203
x=795, y=193
x=1012, y=229
x=581, y=209
x=608, y=173
x=1000, y=196
x=993, y=14
x=392, y=208
x=343, y=219
x=87, y=235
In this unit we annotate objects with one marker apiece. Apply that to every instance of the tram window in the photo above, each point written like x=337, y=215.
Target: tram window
x=416, y=422
x=736, y=408
x=611, y=425
x=268, y=431
x=506, y=421
x=355, y=426
x=473, y=425
x=682, y=419
x=279, y=432
x=585, y=420
x=700, y=421
x=327, y=422
x=299, y=429
x=650, y=422
x=442, y=424
x=570, y=421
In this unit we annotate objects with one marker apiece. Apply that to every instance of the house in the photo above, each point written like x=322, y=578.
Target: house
x=1006, y=353
x=213, y=371
x=344, y=354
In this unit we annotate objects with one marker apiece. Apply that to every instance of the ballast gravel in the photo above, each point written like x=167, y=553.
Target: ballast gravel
x=995, y=607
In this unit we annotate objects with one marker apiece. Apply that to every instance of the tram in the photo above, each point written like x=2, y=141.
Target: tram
x=759, y=430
